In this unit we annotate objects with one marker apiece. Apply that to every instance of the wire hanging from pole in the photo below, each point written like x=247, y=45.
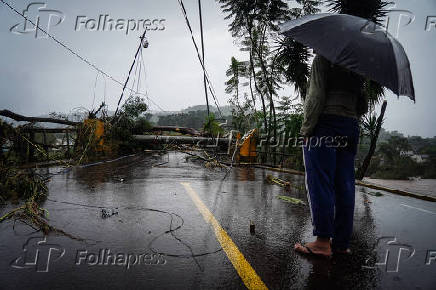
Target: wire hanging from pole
x=138, y=85
x=211, y=88
x=130, y=71
x=135, y=78
x=95, y=87
x=202, y=54
x=72, y=52
x=104, y=95
x=145, y=78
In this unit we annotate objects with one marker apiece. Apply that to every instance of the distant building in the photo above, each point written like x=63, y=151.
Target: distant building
x=418, y=158
x=409, y=153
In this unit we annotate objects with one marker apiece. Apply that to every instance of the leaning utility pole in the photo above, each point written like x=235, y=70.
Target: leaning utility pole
x=202, y=51
x=142, y=43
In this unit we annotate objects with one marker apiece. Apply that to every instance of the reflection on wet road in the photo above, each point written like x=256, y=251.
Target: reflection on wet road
x=173, y=224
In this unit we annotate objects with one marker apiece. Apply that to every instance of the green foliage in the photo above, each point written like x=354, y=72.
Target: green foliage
x=368, y=125
x=391, y=162
x=369, y=9
x=400, y=168
x=244, y=116
x=236, y=70
x=273, y=61
x=245, y=14
x=211, y=126
x=128, y=121
x=393, y=148
x=290, y=120
x=133, y=107
x=15, y=184
x=191, y=119
x=373, y=92
x=292, y=62
x=290, y=116
x=7, y=134
x=118, y=132
x=429, y=167
x=141, y=125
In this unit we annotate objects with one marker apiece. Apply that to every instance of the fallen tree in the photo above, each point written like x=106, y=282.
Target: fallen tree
x=21, y=118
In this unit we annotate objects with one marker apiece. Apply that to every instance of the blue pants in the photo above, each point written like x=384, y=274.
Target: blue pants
x=329, y=161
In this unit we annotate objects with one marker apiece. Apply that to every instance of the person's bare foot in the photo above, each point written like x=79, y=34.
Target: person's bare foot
x=320, y=247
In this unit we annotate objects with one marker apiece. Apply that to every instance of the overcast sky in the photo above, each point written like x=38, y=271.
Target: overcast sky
x=38, y=76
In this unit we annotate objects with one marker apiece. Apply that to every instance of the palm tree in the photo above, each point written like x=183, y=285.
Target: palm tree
x=236, y=70
x=292, y=58
x=255, y=23
x=370, y=9
x=373, y=10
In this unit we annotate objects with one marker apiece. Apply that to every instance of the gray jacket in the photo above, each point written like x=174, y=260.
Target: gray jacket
x=332, y=90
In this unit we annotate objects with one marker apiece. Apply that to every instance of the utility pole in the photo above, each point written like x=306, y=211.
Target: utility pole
x=130, y=71
x=202, y=51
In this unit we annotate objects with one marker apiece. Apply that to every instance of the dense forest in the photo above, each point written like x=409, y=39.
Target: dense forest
x=190, y=119
x=401, y=157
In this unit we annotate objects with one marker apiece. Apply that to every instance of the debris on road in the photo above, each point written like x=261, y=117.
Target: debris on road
x=291, y=199
x=274, y=180
x=252, y=228
x=107, y=213
x=377, y=193
x=210, y=161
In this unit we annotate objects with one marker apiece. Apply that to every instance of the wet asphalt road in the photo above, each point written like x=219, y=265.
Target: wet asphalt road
x=158, y=238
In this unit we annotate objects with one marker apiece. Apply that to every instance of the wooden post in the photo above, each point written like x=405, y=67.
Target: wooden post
x=67, y=153
x=44, y=135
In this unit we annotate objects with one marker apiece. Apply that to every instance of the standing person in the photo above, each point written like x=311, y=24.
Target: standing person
x=332, y=107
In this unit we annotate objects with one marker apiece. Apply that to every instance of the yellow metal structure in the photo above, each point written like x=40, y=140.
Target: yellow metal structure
x=248, y=146
x=97, y=127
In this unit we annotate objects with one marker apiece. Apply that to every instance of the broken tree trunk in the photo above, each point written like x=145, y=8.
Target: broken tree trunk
x=362, y=170
x=21, y=118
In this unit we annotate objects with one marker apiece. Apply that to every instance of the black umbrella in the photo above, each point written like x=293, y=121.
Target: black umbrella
x=358, y=45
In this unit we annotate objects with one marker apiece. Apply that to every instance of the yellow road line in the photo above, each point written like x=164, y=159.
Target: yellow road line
x=244, y=269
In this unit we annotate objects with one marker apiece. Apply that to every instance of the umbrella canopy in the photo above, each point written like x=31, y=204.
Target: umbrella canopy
x=358, y=45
